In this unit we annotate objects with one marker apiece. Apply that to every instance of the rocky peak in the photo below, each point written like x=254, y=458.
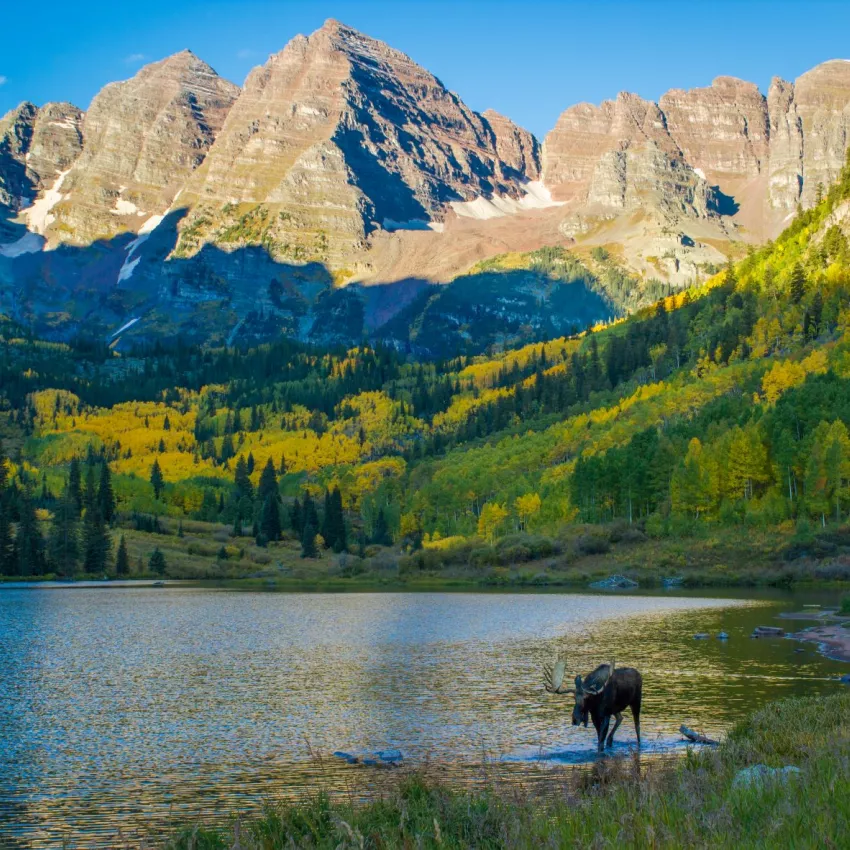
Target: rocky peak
x=619, y=156
x=142, y=139
x=35, y=146
x=343, y=134
x=722, y=130
x=515, y=146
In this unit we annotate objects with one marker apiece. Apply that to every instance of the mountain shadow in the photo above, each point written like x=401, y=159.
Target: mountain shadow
x=131, y=289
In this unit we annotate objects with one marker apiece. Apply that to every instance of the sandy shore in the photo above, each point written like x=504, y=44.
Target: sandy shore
x=834, y=640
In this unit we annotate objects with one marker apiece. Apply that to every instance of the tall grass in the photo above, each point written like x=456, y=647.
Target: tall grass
x=617, y=804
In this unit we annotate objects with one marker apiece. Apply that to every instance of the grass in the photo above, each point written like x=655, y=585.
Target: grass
x=616, y=804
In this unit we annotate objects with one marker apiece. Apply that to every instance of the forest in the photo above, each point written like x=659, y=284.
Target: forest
x=721, y=407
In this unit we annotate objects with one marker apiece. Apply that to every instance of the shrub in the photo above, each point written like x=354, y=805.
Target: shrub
x=593, y=543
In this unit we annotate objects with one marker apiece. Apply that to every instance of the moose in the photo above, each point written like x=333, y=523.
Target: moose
x=602, y=694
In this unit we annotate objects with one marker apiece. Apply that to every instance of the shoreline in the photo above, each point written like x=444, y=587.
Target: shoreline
x=833, y=640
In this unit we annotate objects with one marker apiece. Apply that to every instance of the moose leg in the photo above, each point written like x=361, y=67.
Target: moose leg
x=616, y=727
x=636, y=716
x=603, y=731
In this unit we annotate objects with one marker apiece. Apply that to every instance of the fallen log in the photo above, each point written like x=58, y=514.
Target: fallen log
x=695, y=737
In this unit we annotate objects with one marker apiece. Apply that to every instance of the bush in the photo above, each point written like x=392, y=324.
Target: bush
x=593, y=543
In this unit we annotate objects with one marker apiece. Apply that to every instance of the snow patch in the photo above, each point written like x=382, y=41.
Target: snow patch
x=29, y=243
x=537, y=197
x=700, y=173
x=128, y=268
x=123, y=207
x=145, y=231
x=391, y=224
x=124, y=326
x=38, y=216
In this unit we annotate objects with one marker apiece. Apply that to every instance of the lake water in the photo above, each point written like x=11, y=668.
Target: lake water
x=133, y=708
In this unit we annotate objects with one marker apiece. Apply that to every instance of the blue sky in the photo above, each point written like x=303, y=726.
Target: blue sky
x=529, y=60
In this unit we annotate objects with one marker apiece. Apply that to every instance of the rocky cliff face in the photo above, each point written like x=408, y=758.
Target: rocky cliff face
x=142, y=140
x=760, y=155
x=338, y=135
x=36, y=145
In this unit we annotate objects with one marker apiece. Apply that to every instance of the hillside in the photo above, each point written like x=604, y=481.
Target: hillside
x=724, y=407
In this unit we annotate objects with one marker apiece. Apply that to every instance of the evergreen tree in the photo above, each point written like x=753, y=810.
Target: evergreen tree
x=157, y=563
x=157, y=481
x=227, y=450
x=797, y=283
x=64, y=542
x=327, y=530
x=90, y=493
x=308, y=509
x=243, y=483
x=270, y=519
x=296, y=518
x=6, y=541
x=29, y=544
x=105, y=494
x=122, y=562
x=75, y=485
x=340, y=543
x=268, y=483
x=308, y=542
x=96, y=544
x=381, y=533
x=282, y=467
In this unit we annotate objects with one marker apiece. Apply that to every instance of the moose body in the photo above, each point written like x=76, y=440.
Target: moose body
x=605, y=693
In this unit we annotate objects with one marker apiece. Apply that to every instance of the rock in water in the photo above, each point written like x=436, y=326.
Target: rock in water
x=761, y=774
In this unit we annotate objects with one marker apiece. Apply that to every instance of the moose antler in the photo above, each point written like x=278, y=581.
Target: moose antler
x=595, y=682
x=553, y=677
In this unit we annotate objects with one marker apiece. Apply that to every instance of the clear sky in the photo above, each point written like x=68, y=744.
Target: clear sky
x=528, y=60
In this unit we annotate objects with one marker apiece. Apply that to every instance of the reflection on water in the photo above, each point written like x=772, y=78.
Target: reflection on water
x=137, y=707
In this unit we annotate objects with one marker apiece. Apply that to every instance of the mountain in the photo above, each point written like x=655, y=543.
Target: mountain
x=181, y=203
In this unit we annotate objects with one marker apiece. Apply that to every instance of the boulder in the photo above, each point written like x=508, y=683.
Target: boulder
x=760, y=775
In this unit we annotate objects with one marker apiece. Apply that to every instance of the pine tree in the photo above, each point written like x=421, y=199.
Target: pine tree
x=105, y=494
x=64, y=542
x=29, y=544
x=308, y=542
x=157, y=481
x=282, y=467
x=243, y=483
x=327, y=528
x=296, y=518
x=270, y=519
x=157, y=563
x=75, y=485
x=308, y=509
x=6, y=541
x=340, y=542
x=381, y=533
x=250, y=463
x=797, y=283
x=268, y=483
x=122, y=562
x=90, y=492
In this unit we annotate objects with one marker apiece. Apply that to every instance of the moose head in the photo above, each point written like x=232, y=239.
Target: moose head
x=585, y=689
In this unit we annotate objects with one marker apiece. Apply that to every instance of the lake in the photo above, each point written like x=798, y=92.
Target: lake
x=138, y=707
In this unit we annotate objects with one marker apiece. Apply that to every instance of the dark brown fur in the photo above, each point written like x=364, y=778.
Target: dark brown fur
x=622, y=690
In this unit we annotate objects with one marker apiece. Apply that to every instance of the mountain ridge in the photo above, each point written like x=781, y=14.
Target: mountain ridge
x=342, y=151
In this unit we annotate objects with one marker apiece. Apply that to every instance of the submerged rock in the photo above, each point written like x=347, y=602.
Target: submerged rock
x=767, y=631
x=760, y=774
x=614, y=583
